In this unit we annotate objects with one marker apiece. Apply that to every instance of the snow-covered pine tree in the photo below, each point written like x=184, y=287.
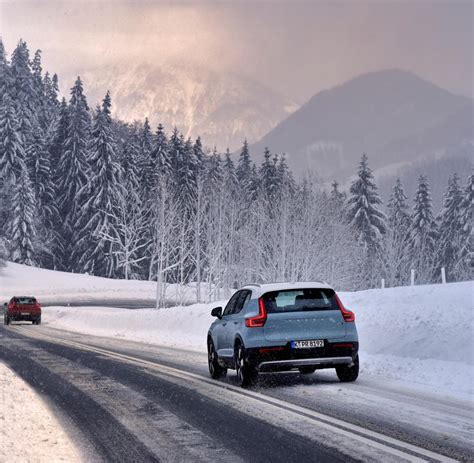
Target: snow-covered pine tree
x=244, y=172
x=466, y=252
x=268, y=175
x=199, y=153
x=5, y=78
x=176, y=146
x=72, y=173
x=102, y=193
x=398, y=215
x=396, y=255
x=12, y=149
x=284, y=175
x=25, y=97
x=145, y=163
x=230, y=175
x=450, y=228
x=423, y=233
x=37, y=72
x=129, y=161
x=12, y=160
x=160, y=154
x=363, y=210
x=337, y=197
x=22, y=230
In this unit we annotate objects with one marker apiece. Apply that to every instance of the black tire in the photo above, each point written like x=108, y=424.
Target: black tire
x=215, y=370
x=38, y=322
x=348, y=374
x=246, y=374
x=307, y=370
x=6, y=320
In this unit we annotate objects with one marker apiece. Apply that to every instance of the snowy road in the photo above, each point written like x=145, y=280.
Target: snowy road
x=127, y=401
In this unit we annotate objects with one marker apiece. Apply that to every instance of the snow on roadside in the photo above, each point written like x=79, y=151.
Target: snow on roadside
x=28, y=430
x=65, y=288
x=421, y=336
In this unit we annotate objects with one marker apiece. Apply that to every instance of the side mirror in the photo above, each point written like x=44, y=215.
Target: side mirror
x=217, y=312
x=5, y=304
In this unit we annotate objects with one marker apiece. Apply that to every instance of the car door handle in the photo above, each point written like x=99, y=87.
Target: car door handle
x=224, y=324
x=235, y=323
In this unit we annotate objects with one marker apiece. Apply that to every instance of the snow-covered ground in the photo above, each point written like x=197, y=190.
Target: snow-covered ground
x=28, y=430
x=420, y=336
x=65, y=288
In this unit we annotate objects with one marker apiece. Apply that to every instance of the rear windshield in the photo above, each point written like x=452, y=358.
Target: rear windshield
x=26, y=300
x=300, y=300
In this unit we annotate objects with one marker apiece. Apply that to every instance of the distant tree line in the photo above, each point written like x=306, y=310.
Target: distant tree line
x=82, y=192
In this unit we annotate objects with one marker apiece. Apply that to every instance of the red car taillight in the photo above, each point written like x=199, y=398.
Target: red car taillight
x=259, y=320
x=346, y=314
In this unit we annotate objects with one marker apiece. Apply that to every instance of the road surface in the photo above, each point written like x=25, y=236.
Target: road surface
x=126, y=401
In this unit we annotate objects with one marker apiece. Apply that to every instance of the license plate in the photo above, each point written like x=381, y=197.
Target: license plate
x=25, y=313
x=307, y=344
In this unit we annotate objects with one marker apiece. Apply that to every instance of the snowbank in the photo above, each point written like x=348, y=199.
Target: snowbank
x=28, y=431
x=67, y=288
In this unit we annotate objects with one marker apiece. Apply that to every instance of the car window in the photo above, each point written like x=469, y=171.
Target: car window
x=243, y=299
x=300, y=300
x=26, y=300
x=230, y=305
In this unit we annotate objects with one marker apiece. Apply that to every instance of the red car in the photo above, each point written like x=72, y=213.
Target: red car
x=22, y=308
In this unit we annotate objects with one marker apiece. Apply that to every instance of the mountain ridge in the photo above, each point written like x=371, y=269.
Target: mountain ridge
x=393, y=115
x=223, y=108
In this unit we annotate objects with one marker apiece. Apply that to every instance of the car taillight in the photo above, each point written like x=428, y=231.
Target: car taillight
x=343, y=345
x=259, y=320
x=37, y=306
x=346, y=314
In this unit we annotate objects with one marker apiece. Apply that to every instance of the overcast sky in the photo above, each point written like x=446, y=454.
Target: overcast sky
x=297, y=48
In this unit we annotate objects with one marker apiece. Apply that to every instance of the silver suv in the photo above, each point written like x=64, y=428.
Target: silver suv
x=282, y=327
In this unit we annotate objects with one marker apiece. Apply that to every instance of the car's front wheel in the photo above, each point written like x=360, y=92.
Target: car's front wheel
x=246, y=374
x=348, y=373
x=215, y=370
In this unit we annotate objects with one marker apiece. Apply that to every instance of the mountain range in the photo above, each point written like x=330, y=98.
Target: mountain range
x=394, y=116
x=223, y=108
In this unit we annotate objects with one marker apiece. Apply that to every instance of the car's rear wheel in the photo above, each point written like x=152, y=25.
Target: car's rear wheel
x=307, y=370
x=348, y=373
x=6, y=320
x=246, y=374
x=215, y=370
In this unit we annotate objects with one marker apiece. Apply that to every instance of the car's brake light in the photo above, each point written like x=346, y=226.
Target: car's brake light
x=37, y=306
x=346, y=314
x=343, y=345
x=259, y=320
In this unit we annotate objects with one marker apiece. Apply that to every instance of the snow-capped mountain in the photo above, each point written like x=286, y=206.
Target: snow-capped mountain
x=393, y=116
x=222, y=108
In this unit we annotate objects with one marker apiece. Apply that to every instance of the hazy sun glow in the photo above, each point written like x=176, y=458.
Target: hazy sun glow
x=298, y=48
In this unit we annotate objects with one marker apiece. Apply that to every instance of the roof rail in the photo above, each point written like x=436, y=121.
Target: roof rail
x=252, y=284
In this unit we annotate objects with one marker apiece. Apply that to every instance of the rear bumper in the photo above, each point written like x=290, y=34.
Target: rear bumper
x=284, y=358
x=284, y=365
x=26, y=317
